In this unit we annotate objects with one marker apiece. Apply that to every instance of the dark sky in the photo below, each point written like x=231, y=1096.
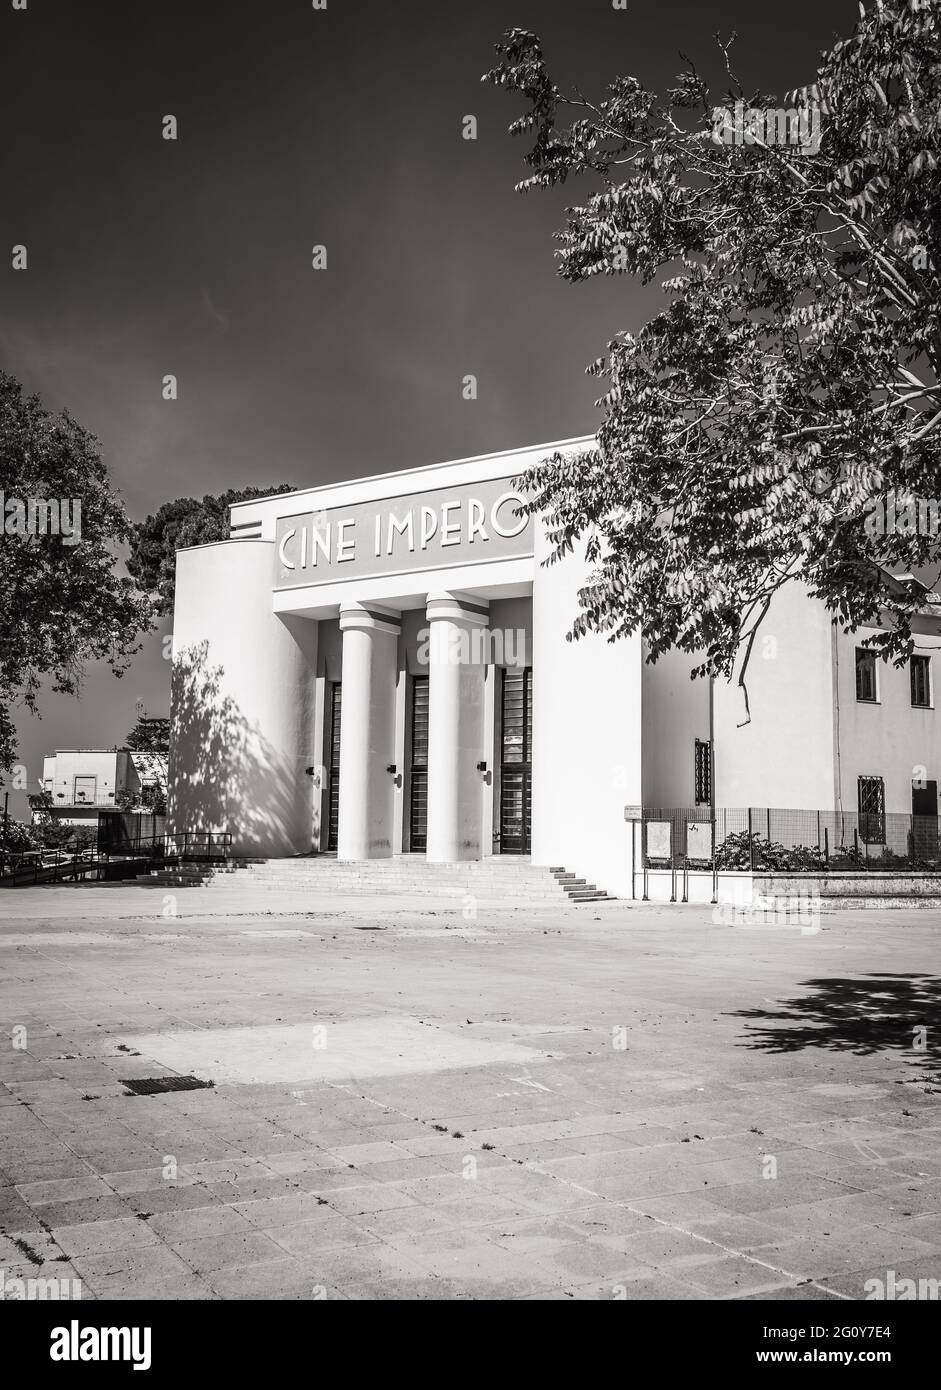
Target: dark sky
x=296, y=127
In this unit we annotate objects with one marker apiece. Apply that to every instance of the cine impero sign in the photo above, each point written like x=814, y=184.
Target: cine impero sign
x=469, y=524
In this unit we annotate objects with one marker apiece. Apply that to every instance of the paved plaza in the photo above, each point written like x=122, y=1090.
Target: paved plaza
x=409, y=1101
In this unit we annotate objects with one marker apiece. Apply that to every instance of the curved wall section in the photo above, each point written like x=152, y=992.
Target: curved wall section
x=242, y=703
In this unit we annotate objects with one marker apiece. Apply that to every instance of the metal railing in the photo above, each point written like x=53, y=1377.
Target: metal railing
x=774, y=840
x=30, y=867
x=65, y=801
x=199, y=845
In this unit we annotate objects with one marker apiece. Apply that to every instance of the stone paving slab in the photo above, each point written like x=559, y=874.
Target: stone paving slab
x=628, y=1103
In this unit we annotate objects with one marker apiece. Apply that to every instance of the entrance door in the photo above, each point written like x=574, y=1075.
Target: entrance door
x=925, y=822
x=333, y=770
x=418, y=796
x=516, y=762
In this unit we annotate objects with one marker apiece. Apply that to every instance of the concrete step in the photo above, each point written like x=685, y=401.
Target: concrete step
x=331, y=891
x=497, y=880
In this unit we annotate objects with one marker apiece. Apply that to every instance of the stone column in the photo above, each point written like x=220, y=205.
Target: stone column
x=367, y=731
x=457, y=650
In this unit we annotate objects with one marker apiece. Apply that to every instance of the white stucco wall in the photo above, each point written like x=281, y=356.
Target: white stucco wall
x=243, y=703
x=586, y=734
x=675, y=714
x=784, y=757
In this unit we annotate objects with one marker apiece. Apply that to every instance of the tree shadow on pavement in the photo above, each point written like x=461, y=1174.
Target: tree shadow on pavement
x=862, y=1014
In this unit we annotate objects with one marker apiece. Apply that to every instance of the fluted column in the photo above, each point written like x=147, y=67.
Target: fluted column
x=367, y=731
x=457, y=650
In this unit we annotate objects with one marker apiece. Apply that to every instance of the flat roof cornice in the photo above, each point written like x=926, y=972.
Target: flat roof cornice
x=422, y=470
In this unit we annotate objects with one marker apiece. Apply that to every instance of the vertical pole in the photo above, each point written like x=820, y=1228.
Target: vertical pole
x=633, y=860
x=751, y=844
x=826, y=846
x=712, y=785
x=6, y=825
x=672, y=860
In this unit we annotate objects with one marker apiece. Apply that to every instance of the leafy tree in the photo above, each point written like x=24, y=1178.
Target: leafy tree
x=48, y=830
x=792, y=380
x=149, y=735
x=62, y=602
x=18, y=839
x=185, y=521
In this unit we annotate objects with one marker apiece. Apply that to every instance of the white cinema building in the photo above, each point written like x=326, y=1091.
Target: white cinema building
x=381, y=667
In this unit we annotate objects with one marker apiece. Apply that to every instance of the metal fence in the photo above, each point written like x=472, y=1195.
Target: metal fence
x=118, y=860
x=775, y=840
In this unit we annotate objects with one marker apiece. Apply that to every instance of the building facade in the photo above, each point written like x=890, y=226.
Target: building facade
x=382, y=666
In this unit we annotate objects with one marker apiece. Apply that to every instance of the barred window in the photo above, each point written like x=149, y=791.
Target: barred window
x=866, y=687
x=921, y=681
x=872, y=810
x=703, y=772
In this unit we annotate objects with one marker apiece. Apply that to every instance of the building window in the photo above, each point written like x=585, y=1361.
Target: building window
x=872, y=810
x=866, y=685
x=703, y=772
x=921, y=681
x=85, y=789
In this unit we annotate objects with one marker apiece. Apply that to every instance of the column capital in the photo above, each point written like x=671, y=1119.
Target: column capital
x=443, y=604
x=370, y=616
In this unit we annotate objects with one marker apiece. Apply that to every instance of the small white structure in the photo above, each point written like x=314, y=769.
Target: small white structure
x=82, y=782
x=381, y=666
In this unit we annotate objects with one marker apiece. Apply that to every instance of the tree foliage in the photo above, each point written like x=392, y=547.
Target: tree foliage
x=48, y=830
x=183, y=522
x=16, y=837
x=150, y=741
x=150, y=734
x=61, y=604
x=793, y=377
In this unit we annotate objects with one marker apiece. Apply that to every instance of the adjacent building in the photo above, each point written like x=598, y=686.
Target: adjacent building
x=380, y=667
x=81, y=783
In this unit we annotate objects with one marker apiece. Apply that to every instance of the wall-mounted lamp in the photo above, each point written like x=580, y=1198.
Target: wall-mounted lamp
x=391, y=769
x=482, y=767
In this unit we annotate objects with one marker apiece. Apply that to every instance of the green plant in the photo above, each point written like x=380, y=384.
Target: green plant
x=744, y=850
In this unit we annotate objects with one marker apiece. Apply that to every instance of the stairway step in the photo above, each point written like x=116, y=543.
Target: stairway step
x=504, y=880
